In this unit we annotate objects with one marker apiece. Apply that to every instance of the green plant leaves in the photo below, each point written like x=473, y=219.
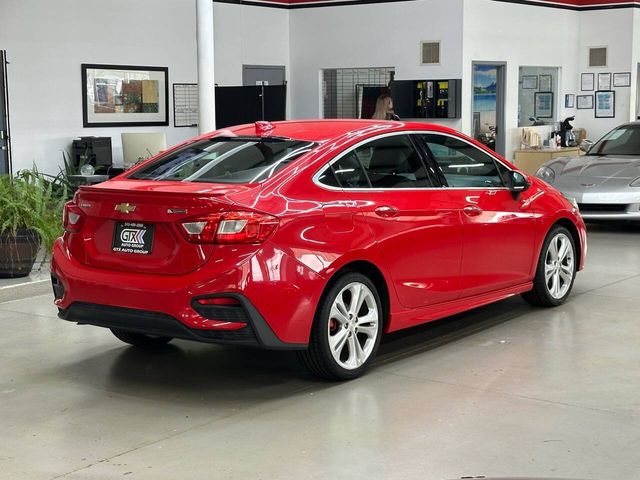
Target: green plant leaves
x=33, y=201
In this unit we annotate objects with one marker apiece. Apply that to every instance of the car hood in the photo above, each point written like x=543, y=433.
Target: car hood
x=597, y=167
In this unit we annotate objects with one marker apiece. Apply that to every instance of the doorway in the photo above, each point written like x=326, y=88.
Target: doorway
x=5, y=145
x=488, y=104
x=638, y=94
x=253, y=75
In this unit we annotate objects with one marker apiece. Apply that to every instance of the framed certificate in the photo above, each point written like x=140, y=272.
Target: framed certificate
x=584, y=102
x=587, y=82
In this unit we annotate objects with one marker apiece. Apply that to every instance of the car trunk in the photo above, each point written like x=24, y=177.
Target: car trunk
x=134, y=226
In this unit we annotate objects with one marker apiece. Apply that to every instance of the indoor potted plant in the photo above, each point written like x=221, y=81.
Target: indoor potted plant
x=30, y=217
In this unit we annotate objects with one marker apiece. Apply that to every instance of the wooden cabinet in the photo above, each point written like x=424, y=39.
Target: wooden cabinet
x=530, y=160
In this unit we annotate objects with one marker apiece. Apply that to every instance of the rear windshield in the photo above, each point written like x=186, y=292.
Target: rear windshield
x=624, y=140
x=225, y=160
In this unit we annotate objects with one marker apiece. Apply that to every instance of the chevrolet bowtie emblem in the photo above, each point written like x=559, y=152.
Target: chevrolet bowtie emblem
x=125, y=208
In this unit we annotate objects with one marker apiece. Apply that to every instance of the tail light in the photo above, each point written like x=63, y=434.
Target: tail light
x=231, y=227
x=72, y=217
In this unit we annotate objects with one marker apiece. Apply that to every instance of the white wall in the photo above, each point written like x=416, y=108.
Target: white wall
x=615, y=30
x=519, y=35
x=46, y=41
x=372, y=35
x=248, y=35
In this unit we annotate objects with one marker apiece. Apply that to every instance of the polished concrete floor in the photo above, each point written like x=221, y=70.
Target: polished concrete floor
x=506, y=390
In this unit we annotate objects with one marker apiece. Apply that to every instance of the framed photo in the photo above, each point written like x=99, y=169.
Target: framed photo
x=587, y=82
x=545, y=83
x=604, y=81
x=543, y=106
x=605, y=104
x=124, y=96
x=584, y=102
x=569, y=100
x=529, y=82
x=622, y=79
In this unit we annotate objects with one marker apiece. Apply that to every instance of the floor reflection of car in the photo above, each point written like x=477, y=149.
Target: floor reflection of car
x=606, y=181
x=316, y=236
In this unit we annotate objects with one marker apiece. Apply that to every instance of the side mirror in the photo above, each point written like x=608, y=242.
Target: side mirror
x=586, y=145
x=517, y=182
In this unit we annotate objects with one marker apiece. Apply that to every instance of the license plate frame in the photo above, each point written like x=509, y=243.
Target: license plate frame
x=133, y=237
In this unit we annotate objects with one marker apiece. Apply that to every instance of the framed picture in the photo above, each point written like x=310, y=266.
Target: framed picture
x=584, y=102
x=604, y=81
x=569, y=100
x=587, y=82
x=543, y=106
x=529, y=82
x=622, y=79
x=605, y=104
x=545, y=83
x=124, y=96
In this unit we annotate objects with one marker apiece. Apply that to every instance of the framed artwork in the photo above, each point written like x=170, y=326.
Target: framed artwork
x=569, y=100
x=587, y=82
x=530, y=82
x=124, y=96
x=545, y=83
x=584, y=102
x=622, y=79
x=605, y=104
x=604, y=81
x=543, y=106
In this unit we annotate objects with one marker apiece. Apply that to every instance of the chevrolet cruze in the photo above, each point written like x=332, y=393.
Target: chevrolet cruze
x=316, y=236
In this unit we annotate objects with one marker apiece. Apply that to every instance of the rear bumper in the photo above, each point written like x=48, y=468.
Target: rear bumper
x=256, y=334
x=278, y=296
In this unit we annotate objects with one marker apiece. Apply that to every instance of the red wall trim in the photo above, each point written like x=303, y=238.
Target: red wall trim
x=577, y=5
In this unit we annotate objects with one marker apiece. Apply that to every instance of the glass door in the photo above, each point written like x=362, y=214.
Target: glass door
x=488, y=105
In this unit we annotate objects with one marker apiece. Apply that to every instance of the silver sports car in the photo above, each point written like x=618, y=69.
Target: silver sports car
x=606, y=181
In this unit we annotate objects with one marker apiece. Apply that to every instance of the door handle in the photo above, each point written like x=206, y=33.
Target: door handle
x=386, y=211
x=472, y=210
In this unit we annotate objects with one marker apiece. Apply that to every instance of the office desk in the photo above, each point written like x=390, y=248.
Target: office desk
x=530, y=160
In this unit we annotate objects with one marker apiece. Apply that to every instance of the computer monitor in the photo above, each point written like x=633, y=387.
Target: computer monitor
x=140, y=146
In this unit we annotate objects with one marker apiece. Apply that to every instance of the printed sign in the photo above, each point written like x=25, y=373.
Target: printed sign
x=133, y=237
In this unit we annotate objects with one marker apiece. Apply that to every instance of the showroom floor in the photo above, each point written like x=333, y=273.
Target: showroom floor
x=504, y=390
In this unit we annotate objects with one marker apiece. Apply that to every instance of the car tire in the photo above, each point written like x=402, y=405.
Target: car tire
x=139, y=339
x=556, y=270
x=347, y=329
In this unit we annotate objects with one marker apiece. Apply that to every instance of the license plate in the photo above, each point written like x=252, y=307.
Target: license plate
x=133, y=237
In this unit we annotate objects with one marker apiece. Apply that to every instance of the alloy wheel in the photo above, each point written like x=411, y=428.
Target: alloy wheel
x=353, y=325
x=559, y=266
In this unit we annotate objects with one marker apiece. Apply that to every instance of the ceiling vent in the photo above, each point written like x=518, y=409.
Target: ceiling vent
x=430, y=53
x=598, y=57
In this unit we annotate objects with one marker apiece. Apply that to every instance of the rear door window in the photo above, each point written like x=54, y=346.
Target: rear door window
x=462, y=164
x=389, y=163
x=225, y=160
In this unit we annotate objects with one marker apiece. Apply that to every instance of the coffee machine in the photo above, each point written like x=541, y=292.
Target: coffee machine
x=567, y=137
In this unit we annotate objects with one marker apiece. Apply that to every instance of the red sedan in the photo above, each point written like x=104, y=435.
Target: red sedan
x=316, y=236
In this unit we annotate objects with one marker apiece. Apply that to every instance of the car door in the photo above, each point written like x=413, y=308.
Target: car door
x=499, y=227
x=411, y=216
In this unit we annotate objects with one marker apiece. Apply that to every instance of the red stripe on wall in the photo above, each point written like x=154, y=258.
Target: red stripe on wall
x=575, y=3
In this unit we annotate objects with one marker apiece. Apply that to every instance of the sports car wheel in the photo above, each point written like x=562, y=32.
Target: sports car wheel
x=347, y=329
x=556, y=270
